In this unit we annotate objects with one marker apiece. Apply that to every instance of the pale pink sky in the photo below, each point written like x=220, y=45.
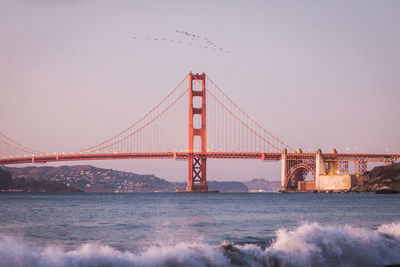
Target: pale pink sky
x=317, y=74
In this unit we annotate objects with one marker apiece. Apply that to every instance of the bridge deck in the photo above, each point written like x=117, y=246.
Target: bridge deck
x=184, y=155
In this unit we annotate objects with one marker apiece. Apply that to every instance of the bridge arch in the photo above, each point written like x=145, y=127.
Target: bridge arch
x=299, y=173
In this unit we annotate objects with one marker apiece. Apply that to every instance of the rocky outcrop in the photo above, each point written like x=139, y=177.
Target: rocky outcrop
x=381, y=179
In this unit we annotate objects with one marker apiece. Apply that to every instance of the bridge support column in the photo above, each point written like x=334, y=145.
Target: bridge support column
x=197, y=166
x=343, y=167
x=360, y=167
x=320, y=168
x=328, y=176
x=333, y=165
x=284, y=170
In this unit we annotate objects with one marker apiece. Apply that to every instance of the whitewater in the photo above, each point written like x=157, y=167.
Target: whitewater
x=186, y=230
x=308, y=245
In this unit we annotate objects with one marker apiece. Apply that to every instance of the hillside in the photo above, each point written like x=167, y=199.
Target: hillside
x=92, y=179
x=5, y=179
x=379, y=178
x=8, y=184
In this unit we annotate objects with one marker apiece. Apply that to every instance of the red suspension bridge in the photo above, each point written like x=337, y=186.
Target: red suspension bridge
x=197, y=121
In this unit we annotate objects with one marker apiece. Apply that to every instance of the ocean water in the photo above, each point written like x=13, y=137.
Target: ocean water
x=168, y=229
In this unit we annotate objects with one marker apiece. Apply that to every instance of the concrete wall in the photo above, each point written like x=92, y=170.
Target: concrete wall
x=335, y=182
x=306, y=185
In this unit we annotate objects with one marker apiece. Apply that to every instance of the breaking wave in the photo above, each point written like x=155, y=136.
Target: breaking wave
x=308, y=245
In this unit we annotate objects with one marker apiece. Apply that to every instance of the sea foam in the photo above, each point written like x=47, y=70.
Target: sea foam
x=307, y=245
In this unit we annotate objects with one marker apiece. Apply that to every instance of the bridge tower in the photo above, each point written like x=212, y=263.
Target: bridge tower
x=197, y=165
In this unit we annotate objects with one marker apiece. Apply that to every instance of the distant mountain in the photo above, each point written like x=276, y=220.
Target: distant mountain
x=262, y=185
x=92, y=179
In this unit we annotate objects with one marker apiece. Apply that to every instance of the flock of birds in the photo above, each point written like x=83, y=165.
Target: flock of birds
x=189, y=39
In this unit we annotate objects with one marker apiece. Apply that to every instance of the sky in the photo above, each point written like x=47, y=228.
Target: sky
x=317, y=74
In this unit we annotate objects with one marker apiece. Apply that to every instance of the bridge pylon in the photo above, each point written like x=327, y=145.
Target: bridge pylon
x=197, y=166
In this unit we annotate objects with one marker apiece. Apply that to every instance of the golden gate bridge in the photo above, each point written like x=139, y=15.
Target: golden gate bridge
x=197, y=121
